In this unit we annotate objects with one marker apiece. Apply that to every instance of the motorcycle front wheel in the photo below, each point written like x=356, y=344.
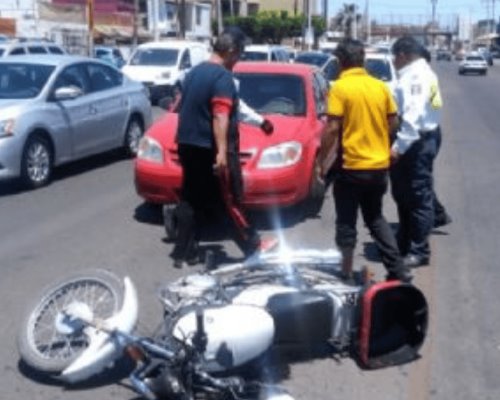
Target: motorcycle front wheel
x=49, y=341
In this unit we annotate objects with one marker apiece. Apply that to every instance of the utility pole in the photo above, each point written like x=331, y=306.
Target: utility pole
x=219, y=17
x=433, y=2
x=433, y=26
x=90, y=26
x=154, y=17
x=135, y=34
x=493, y=15
x=368, y=22
x=309, y=34
x=182, y=19
x=325, y=13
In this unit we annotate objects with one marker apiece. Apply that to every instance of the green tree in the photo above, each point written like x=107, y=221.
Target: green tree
x=273, y=26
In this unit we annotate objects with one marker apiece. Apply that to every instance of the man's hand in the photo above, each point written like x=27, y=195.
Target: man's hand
x=220, y=162
x=267, y=127
x=395, y=156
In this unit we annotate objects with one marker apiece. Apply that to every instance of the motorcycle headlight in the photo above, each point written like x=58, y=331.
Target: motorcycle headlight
x=7, y=127
x=282, y=155
x=150, y=150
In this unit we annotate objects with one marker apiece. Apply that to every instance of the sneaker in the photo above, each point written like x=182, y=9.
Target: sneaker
x=414, y=261
x=268, y=244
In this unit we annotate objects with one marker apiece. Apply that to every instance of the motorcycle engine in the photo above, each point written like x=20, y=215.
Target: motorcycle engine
x=188, y=290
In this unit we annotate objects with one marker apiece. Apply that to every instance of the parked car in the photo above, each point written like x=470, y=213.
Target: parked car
x=12, y=48
x=473, y=62
x=162, y=66
x=381, y=66
x=443, y=54
x=55, y=109
x=486, y=54
x=111, y=55
x=264, y=52
x=292, y=52
x=327, y=63
x=278, y=170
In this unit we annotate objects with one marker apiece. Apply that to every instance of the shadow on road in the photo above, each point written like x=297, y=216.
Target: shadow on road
x=80, y=167
x=274, y=218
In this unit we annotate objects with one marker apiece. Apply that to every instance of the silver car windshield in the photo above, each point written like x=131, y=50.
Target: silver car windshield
x=253, y=56
x=155, y=57
x=380, y=69
x=23, y=81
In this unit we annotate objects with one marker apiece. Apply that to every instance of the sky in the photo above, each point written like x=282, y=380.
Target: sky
x=475, y=9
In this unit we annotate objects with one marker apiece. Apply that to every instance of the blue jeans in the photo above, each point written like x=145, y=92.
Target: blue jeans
x=413, y=192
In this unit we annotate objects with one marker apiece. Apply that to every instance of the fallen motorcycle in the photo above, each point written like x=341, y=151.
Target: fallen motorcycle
x=220, y=321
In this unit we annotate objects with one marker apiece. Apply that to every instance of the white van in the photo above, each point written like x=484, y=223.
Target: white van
x=264, y=52
x=162, y=66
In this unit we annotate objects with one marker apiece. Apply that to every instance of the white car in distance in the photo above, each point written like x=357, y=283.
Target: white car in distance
x=473, y=62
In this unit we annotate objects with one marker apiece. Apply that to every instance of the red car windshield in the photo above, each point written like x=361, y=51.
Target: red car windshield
x=273, y=93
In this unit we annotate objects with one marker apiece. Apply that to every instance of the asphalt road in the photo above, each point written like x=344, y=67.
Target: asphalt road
x=90, y=217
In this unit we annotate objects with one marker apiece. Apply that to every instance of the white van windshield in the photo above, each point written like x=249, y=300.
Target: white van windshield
x=155, y=57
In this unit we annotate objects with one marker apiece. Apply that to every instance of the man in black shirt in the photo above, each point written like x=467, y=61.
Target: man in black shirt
x=208, y=146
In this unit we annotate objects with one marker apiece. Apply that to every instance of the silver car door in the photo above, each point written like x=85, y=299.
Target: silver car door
x=111, y=101
x=80, y=112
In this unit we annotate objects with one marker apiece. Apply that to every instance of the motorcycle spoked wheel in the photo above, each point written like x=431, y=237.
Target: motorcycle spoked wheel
x=48, y=341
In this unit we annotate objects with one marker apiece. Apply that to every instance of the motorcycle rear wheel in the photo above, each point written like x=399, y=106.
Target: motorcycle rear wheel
x=46, y=342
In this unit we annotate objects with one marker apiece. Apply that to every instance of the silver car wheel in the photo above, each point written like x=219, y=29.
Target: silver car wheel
x=37, y=162
x=134, y=135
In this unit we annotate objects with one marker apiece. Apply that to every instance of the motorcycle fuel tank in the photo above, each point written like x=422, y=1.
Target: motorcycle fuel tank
x=235, y=334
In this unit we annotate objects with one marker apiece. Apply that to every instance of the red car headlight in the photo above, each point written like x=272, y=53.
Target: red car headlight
x=281, y=155
x=150, y=150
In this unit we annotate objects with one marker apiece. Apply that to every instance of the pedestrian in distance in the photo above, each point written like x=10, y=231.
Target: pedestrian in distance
x=414, y=150
x=208, y=147
x=361, y=116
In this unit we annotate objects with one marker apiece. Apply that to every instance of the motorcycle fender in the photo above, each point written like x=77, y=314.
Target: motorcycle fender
x=103, y=348
x=235, y=333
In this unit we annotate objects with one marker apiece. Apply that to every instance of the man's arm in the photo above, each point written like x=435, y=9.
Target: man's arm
x=329, y=144
x=220, y=126
x=394, y=123
x=248, y=115
x=412, y=100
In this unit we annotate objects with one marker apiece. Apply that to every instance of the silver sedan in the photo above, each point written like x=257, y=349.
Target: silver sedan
x=55, y=109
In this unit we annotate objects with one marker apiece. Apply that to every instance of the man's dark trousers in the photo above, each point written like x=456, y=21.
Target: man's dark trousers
x=204, y=193
x=413, y=192
x=365, y=190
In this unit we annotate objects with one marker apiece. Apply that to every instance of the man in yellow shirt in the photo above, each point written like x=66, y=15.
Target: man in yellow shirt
x=362, y=114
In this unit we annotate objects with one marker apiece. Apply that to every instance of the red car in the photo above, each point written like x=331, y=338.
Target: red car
x=279, y=170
